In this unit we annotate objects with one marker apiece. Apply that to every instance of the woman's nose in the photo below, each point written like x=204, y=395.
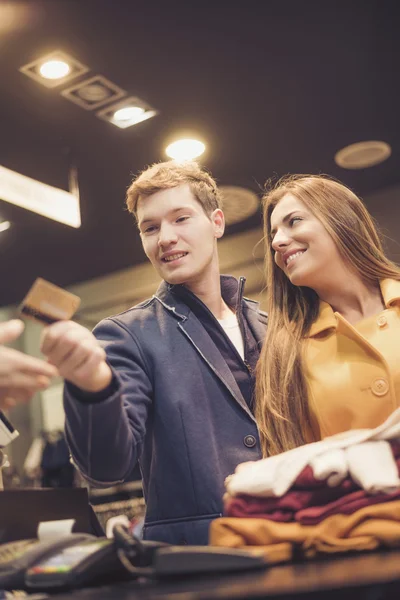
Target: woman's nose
x=281, y=240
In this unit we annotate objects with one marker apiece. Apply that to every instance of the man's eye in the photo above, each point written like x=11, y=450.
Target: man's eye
x=181, y=219
x=149, y=229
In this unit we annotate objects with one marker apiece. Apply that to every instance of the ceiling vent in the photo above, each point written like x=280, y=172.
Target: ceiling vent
x=363, y=155
x=93, y=93
x=73, y=69
x=238, y=203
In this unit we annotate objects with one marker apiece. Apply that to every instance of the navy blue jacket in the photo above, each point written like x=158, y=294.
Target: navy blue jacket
x=176, y=408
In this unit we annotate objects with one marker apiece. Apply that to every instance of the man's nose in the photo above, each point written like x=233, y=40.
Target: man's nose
x=167, y=235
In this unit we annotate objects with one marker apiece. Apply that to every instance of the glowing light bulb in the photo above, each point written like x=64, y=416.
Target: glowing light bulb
x=186, y=149
x=128, y=113
x=54, y=69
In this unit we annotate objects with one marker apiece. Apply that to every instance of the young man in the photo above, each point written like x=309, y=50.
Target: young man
x=169, y=382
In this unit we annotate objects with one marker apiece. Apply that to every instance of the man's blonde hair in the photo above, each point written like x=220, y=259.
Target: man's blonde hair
x=170, y=174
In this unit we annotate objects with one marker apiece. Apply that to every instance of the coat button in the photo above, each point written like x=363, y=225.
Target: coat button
x=380, y=387
x=250, y=441
x=382, y=321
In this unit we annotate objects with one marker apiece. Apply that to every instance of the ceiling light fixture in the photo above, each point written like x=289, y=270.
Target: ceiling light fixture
x=93, y=92
x=54, y=69
x=4, y=226
x=363, y=154
x=185, y=149
x=127, y=112
x=238, y=203
x=43, y=199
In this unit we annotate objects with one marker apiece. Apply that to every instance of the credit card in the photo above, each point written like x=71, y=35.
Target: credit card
x=48, y=303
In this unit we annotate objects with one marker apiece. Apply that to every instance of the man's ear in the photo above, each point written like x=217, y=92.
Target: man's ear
x=218, y=220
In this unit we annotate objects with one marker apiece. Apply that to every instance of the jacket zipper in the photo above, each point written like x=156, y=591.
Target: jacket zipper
x=239, y=314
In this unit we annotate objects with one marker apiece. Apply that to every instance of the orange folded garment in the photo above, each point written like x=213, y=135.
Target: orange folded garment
x=366, y=529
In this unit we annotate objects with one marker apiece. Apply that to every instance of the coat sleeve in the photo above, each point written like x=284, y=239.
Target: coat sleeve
x=106, y=437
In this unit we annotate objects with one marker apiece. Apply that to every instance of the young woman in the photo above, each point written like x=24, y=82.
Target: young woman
x=331, y=358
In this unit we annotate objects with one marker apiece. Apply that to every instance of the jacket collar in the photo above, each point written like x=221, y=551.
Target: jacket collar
x=326, y=319
x=173, y=296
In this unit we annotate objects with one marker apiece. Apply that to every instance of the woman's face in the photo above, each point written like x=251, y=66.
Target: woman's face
x=303, y=248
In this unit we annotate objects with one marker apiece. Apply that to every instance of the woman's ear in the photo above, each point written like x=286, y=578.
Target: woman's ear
x=218, y=221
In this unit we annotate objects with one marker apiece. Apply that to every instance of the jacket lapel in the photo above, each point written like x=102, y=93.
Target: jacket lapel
x=203, y=344
x=256, y=319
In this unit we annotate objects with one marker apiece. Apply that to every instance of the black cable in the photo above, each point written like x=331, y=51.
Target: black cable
x=136, y=556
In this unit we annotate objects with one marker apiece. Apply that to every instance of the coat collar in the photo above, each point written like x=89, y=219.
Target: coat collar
x=326, y=319
x=173, y=296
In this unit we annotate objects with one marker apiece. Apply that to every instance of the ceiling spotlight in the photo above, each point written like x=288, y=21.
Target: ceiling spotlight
x=4, y=226
x=54, y=69
x=127, y=112
x=186, y=149
x=363, y=154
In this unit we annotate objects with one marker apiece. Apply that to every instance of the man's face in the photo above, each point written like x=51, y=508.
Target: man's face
x=177, y=236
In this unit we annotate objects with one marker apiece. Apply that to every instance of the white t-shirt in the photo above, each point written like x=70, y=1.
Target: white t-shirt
x=232, y=330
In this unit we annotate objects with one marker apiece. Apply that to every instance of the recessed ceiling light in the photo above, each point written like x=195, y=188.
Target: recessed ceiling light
x=127, y=112
x=363, y=154
x=238, y=203
x=54, y=69
x=5, y=225
x=186, y=149
x=93, y=92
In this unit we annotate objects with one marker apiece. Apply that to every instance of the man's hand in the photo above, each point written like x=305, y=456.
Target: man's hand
x=21, y=376
x=77, y=354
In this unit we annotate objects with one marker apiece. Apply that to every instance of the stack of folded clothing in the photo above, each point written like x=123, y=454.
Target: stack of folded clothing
x=338, y=495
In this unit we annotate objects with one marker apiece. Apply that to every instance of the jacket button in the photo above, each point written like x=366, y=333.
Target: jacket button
x=250, y=441
x=380, y=387
x=382, y=321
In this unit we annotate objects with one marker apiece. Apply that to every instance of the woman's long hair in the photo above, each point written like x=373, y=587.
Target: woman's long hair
x=282, y=407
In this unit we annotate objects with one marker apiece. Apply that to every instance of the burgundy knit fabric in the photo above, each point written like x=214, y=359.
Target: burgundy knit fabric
x=309, y=501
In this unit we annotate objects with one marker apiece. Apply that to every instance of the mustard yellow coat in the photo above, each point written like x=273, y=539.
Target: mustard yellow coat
x=354, y=370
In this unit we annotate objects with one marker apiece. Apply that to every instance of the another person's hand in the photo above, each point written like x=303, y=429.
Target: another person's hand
x=21, y=376
x=77, y=354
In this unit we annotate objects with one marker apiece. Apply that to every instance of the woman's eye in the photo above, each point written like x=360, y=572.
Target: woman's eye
x=294, y=219
x=181, y=219
x=150, y=229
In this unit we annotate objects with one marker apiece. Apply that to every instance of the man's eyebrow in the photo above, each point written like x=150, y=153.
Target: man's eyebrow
x=171, y=212
x=284, y=220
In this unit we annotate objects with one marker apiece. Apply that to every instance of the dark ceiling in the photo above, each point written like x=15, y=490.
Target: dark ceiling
x=272, y=87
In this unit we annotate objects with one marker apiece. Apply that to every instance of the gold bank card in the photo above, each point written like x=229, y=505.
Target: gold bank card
x=48, y=303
